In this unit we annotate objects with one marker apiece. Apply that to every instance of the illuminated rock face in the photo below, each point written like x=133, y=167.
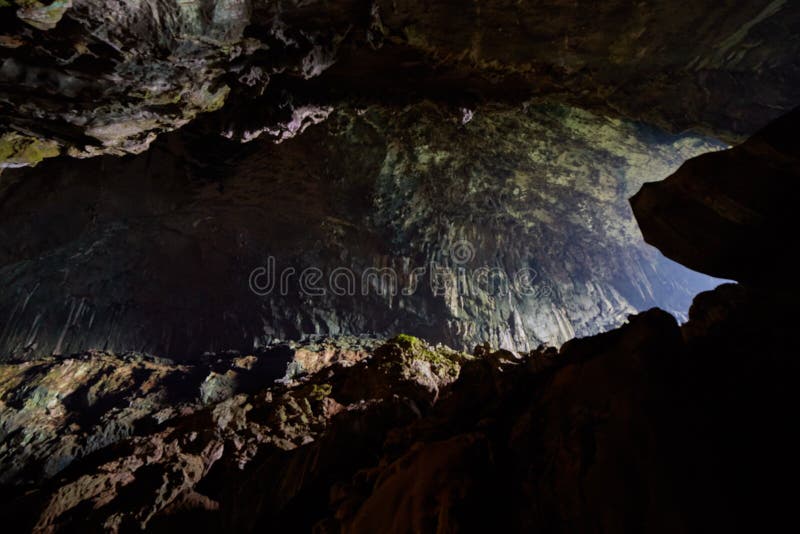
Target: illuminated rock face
x=158, y=255
x=512, y=228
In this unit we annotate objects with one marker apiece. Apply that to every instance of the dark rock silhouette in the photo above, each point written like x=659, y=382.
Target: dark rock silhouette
x=729, y=214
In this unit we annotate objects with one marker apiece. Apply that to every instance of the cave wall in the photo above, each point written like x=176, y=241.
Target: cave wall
x=156, y=252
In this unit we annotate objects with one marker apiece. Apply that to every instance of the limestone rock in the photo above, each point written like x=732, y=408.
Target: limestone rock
x=59, y=410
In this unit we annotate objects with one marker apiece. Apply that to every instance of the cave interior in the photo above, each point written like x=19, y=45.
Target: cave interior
x=398, y=266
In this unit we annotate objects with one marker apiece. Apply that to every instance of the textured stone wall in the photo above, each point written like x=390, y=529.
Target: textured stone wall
x=155, y=252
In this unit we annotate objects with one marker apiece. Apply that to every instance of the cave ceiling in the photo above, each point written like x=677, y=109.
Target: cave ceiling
x=90, y=77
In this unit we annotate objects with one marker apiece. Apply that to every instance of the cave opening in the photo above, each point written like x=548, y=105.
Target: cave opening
x=398, y=266
x=191, y=248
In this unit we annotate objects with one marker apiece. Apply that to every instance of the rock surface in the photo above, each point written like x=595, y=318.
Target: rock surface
x=161, y=440
x=634, y=430
x=89, y=77
x=60, y=409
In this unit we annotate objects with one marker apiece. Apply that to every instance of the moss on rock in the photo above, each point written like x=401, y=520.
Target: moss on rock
x=404, y=350
x=320, y=391
x=19, y=150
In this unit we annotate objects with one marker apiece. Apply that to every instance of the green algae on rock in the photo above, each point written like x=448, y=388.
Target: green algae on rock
x=18, y=150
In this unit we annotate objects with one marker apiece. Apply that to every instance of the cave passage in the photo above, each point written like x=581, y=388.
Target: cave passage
x=402, y=222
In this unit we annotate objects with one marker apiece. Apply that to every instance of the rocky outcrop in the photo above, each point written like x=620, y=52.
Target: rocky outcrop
x=525, y=240
x=156, y=472
x=634, y=430
x=97, y=77
x=62, y=409
x=546, y=450
x=730, y=214
x=644, y=429
x=88, y=77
